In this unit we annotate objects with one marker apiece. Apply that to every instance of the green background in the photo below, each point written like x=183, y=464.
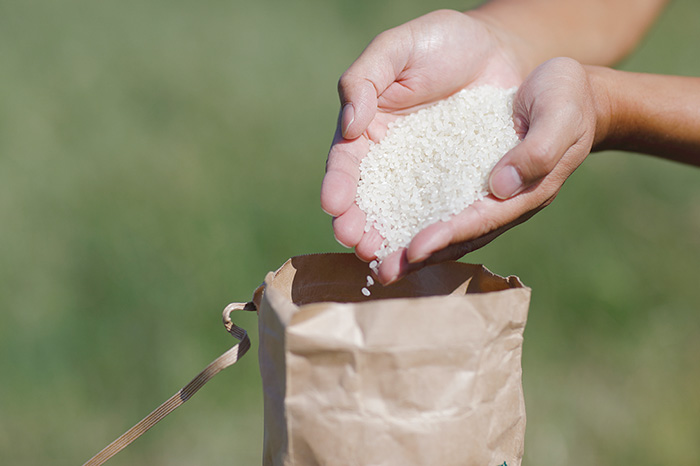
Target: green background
x=158, y=158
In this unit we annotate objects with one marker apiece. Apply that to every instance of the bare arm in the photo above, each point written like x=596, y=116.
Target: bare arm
x=596, y=32
x=648, y=113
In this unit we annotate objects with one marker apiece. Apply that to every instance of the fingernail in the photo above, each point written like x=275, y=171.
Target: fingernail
x=391, y=280
x=341, y=243
x=347, y=117
x=419, y=258
x=506, y=182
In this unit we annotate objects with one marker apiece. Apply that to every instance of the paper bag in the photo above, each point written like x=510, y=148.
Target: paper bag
x=423, y=372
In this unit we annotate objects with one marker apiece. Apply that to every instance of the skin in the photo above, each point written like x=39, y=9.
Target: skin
x=562, y=110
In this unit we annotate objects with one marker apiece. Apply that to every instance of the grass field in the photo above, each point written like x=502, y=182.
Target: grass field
x=158, y=158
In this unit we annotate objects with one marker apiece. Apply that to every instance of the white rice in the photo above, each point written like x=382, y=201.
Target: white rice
x=434, y=163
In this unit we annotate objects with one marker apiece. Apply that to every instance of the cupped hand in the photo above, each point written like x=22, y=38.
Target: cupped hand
x=557, y=114
x=401, y=70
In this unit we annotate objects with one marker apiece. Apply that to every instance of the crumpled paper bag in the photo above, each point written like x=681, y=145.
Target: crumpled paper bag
x=423, y=372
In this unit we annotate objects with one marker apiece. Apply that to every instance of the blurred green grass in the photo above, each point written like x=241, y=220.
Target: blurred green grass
x=158, y=158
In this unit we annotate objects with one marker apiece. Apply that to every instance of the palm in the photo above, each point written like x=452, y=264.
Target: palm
x=447, y=51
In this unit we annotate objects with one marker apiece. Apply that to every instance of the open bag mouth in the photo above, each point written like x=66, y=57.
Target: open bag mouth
x=341, y=277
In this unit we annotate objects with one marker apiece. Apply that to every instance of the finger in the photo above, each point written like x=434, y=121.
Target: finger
x=397, y=266
x=367, y=78
x=368, y=246
x=475, y=226
x=549, y=108
x=547, y=140
x=430, y=240
x=466, y=225
x=394, y=267
x=458, y=250
x=339, y=185
x=349, y=228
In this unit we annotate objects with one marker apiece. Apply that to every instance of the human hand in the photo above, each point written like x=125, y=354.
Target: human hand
x=401, y=70
x=559, y=117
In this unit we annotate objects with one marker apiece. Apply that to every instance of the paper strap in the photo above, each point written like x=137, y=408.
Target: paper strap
x=222, y=362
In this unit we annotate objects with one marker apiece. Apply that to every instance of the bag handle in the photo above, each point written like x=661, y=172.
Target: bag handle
x=185, y=393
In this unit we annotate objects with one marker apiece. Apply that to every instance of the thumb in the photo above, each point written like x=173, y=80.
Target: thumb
x=552, y=109
x=547, y=140
x=358, y=100
x=367, y=78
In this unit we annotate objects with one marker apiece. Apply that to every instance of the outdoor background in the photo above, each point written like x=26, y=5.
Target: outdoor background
x=157, y=158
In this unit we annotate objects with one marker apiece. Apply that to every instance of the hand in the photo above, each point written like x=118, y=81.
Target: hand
x=560, y=117
x=401, y=70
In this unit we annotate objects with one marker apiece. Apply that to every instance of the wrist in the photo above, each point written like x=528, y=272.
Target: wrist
x=515, y=49
x=647, y=113
x=601, y=81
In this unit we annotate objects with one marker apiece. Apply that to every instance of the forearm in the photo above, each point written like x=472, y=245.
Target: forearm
x=597, y=32
x=647, y=113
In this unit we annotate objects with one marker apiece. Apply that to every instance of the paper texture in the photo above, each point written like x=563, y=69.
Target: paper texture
x=423, y=372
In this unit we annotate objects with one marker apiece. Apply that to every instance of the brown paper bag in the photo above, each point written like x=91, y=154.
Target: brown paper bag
x=424, y=372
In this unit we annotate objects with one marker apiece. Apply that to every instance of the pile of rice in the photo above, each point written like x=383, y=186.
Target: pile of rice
x=434, y=163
